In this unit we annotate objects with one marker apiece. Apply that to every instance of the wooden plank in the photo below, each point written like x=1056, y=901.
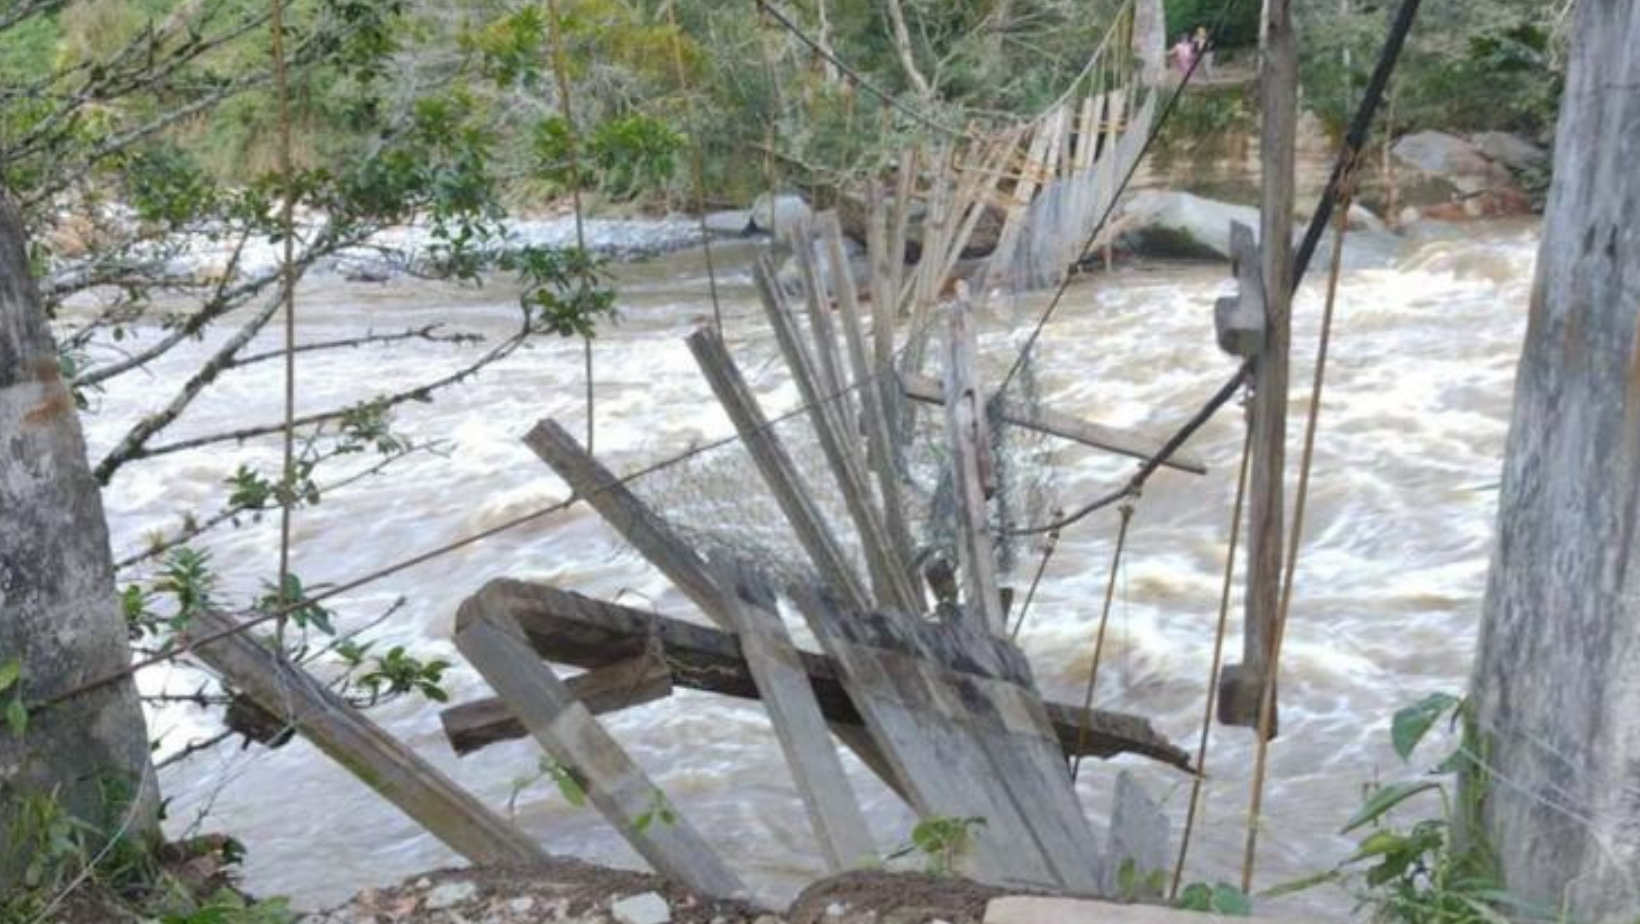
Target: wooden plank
x=875, y=417
x=569, y=628
x=1043, y=420
x=641, y=527
x=1137, y=855
x=905, y=186
x=776, y=466
x=885, y=286
x=347, y=736
x=634, y=681
x=798, y=723
x=889, y=575
x=823, y=364
x=973, y=473
x=1000, y=267
x=569, y=733
x=648, y=533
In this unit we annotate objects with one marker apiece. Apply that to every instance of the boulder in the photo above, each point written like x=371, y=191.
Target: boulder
x=773, y=214
x=1181, y=225
x=735, y=222
x=1452, y=159
x=1511, y=151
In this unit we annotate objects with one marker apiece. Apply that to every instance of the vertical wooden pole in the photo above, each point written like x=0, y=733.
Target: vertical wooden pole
x=1242, y=685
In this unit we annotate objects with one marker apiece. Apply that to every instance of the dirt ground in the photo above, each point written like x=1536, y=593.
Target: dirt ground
x=568, y=891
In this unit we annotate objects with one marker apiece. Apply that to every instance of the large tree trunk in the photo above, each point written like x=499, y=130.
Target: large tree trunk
x=1557, y=676
x=59, y=614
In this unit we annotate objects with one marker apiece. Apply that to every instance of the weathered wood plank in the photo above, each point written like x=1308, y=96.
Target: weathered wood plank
x=776, y=466
x=1043, y=420
x=878, y=429
x=1138, y=841
x=569, y=628
x=889, y=575
x=569, y=733
x=634, y=681
x=798, y=723
x=344, y=734
x=641, y=527
x=973, y=474
x=1239, y=320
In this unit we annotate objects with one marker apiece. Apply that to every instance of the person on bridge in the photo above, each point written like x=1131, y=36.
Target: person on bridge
x=1204, y=50
x=1184, y=55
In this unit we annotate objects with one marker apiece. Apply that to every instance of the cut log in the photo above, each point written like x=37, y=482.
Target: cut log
x=569, y=628
x=1053, y=423
x=345, y=735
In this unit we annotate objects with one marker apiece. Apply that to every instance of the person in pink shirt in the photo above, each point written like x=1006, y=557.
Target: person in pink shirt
x=1183, y=54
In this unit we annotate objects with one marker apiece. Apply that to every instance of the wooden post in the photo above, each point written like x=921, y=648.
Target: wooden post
x=1242, y=685
x=776, y=466
x=1554, y=689
x=567, y=731
x=974, y=478
x=346, y=736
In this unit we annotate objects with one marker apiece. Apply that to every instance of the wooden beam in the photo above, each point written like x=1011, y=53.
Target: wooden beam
x=1242, y=685
x=345, y=735
x=1239, y=320
x=569, y=628
x=973, y=473
x=1042, y=420
x=775, y=464
x=634, y=681
x=834, y=816
x=567, y=731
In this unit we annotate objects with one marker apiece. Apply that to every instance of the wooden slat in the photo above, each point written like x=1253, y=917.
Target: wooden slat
x=634, y=681
x=1043, y=420
x=889, y=576
x=775, y=464
x=653, y=538
x=1000, y=266
x=345, y=735
x=885, y=287
x=875, y=418
x=570, y=734
x=641, y=527
x=973, y=474
x=798, y=723
x=569, y=628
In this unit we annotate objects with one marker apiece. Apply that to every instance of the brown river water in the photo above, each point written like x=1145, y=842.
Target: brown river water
x=1388, y=591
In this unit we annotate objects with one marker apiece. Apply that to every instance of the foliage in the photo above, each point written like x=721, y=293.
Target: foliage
x=1437, y=868
x=229, y=907
x=1233, y=23
x=11, y=691
x=943, y=842
x=54, y=849
x=1216, y=898
x=571, y=785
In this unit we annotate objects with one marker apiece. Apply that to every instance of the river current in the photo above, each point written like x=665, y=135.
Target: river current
x=1388, y=591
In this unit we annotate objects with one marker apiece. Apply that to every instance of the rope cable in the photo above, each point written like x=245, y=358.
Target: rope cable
x=698, y=161
x=1099, y=638
x=1266, y=714
x=1225, y=593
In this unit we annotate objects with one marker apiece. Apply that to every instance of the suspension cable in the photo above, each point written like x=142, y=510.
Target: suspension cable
x=1099, y=638
x=1267, y=702
x=1225, y=594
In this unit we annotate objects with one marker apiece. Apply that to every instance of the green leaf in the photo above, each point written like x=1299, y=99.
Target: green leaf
x=17, y=716
x=1232, y=901
x=10, y=670
x=1412, y=723
x=1377, y=844
x=1301, y=885
x=1385, y=799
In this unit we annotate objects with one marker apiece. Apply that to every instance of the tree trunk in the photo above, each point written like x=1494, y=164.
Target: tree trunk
x=1557, y=676
x=1150, y=41
x=59, y=614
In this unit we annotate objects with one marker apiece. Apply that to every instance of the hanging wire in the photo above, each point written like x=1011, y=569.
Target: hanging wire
x=287, y=272
x=1225, y=594
x=697, y=159
x=560, y=70
x=1099, y=638
x=1267, y=701
x=1049, y=546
